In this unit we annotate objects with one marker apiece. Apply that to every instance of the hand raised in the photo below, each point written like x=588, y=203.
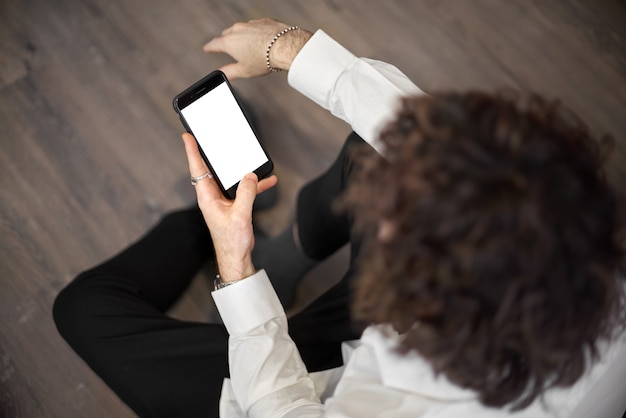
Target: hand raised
x=247, y=43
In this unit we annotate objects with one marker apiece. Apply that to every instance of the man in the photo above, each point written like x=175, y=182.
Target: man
x=484, y=259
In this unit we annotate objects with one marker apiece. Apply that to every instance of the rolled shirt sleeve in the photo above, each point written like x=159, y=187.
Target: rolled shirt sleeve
x=268, y=376
x=363, y=92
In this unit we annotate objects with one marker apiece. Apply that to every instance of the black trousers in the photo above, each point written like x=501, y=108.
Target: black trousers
x=114, y=315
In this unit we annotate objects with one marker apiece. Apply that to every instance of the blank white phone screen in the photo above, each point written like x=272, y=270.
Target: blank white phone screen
x=224, y=135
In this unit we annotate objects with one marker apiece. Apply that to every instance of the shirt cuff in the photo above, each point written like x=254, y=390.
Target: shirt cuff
x=323, y=57
x=248, y=303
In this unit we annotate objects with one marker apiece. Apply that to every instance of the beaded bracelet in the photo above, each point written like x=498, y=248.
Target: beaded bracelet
x=274, y=39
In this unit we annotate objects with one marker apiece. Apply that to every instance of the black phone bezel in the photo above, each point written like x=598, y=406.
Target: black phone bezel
x=198, y=90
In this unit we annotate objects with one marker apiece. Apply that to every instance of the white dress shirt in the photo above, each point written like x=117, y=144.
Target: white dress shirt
x=361, y=91
x=268, y=377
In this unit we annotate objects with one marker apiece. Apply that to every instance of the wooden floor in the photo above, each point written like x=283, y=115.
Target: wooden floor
x=90, y=154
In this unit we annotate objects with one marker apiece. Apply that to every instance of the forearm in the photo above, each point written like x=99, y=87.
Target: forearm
x=277, y=382
x=361, y=91
x=268, y=376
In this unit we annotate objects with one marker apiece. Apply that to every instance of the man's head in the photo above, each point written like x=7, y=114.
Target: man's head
x=490, y=239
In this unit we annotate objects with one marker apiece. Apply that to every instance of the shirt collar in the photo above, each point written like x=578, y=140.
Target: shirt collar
x=409, y=372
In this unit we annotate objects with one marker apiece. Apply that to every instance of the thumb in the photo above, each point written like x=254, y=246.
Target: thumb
x=231, y=70
x=246, y=191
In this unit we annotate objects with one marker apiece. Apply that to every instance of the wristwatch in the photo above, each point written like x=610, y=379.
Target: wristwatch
x=219, y=284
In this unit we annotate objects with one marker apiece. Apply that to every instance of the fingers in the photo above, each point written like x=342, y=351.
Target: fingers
x=206, y=189
x=266, y=183
x=231, y=71
x=214, y=45
x=217, y=44
x=228, y=30
x=197, y=167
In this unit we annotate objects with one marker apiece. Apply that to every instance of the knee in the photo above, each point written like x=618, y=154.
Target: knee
x=72, y=310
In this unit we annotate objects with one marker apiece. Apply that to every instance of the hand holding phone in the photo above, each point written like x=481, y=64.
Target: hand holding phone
x=210, y=111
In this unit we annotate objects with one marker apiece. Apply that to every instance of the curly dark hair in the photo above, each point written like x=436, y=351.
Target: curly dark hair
x=490, y=239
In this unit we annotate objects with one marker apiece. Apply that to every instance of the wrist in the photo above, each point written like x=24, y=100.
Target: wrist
x=284, y=47
x=218, y=283
x=232, y=271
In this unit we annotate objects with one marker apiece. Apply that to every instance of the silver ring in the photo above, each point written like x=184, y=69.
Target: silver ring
x=195, y=180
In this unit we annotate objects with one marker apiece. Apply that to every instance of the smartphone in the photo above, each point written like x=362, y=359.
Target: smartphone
x=228, y=144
